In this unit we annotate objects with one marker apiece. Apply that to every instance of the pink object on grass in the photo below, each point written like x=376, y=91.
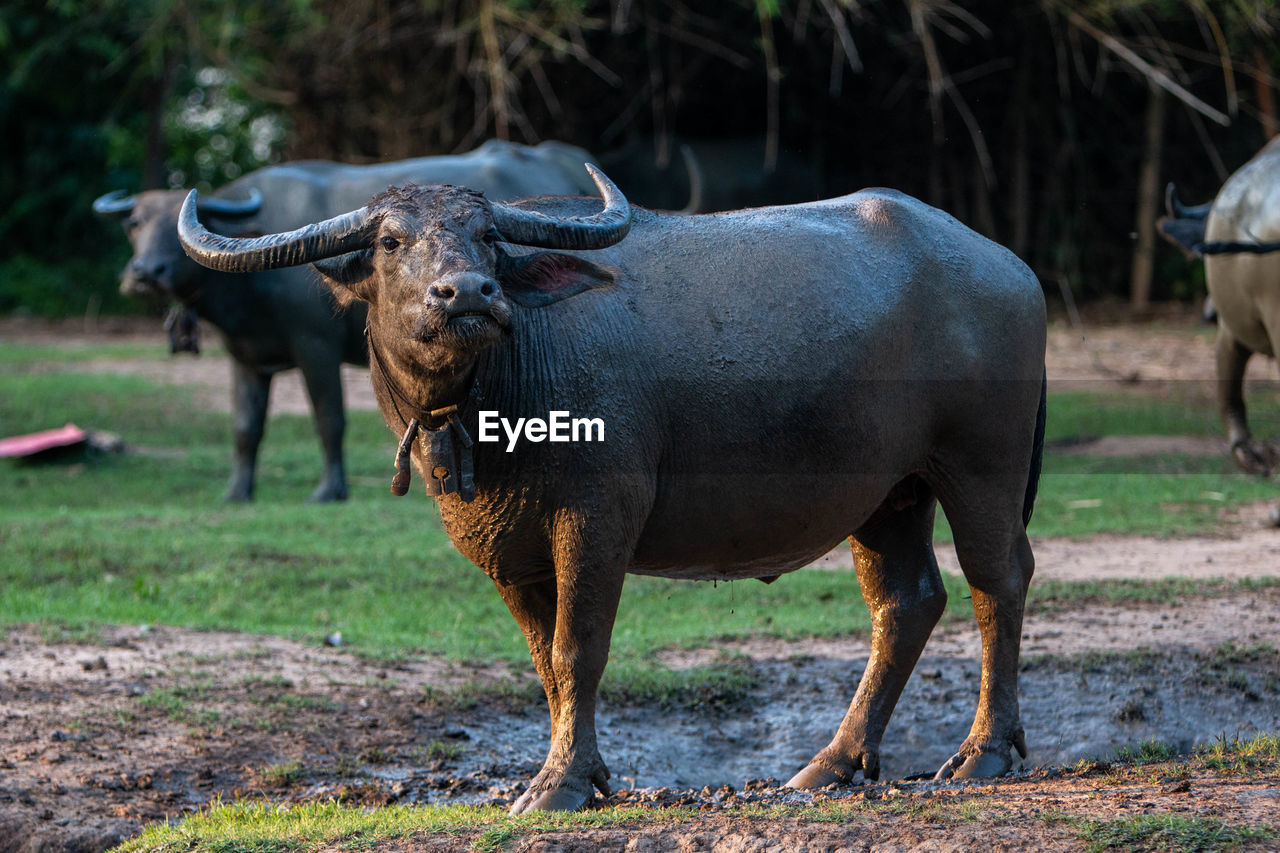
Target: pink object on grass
x=38, y=442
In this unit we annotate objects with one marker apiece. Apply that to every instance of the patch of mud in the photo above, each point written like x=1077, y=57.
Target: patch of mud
x=1145, y=445
x=1131, y=354
x=98, y=739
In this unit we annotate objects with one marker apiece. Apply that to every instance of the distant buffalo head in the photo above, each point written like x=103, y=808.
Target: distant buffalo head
x=159, y=269
x=429, y=261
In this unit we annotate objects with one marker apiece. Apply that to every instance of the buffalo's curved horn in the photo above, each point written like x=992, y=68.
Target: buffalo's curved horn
x=531, y=228
x=337, y=236
x=226, y=208
x=114, y=203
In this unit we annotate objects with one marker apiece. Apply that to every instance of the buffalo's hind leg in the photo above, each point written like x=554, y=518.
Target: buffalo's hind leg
x=1231, y=359
x=893, y=554
x=995, y=556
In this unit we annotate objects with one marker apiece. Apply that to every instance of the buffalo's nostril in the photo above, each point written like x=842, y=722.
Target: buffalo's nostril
x=486, y=289
x=442, y=291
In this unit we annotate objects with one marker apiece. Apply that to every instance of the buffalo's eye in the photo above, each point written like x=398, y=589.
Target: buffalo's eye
x=492, y=236
x=130, y=224
x=389, y=244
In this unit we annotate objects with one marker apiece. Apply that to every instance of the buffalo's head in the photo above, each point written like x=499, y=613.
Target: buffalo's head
x=159, y=269
x=432, y=264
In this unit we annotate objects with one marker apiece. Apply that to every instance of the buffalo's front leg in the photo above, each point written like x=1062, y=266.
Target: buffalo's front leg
x=588, y=585
x=250, y=391
x=903, y=590
x=1231, y=359
x=534, y=608
x=322, y=372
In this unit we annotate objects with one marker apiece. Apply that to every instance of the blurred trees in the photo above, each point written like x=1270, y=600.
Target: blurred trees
x=1031, y=121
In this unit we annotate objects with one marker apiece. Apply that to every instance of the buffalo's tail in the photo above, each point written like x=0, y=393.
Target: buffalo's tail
x=1037, y=455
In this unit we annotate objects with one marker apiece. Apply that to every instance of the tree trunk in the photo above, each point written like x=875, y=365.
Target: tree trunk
x=154, y=174
x=1266, y=101
x=1144, y=251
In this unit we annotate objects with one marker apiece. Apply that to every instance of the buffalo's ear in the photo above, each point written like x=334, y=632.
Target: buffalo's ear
x=546, y=277
x=350, y=275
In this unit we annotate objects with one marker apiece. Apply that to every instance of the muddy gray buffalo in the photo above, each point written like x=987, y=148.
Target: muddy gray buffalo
x=770, y=381
x=276, y=320
x=1238, y=235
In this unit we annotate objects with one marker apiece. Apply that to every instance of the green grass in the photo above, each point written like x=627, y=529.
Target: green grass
x=257, y=827
x=1162, y=495
x=1169, y=832
x=254, y=827
x=1182, y=408
x=1170, y=592
x=1235, y=757
x=1146, y=752
x=142, y=537
x=24, y=356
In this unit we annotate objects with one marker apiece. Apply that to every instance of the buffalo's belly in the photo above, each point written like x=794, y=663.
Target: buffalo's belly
x=745, y=526
x=1244, y=295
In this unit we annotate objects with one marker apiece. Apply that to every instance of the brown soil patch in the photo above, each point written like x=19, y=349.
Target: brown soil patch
x=100, y=738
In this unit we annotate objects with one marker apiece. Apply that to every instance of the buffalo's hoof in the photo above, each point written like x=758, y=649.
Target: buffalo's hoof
x=822, y=772
x=237, y=497
x=983, y=762
x=558, y=800
x=983, y=765
x=1260, y=459
x=564, y=796
x=815, y=777
x=325, y=494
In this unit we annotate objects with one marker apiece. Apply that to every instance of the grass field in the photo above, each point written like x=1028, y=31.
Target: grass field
x=143, y=538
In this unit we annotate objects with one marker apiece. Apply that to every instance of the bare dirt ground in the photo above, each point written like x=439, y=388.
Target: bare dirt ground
x=101, y=735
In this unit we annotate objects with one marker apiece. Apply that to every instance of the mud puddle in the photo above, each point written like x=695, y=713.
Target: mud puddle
x=100, y=738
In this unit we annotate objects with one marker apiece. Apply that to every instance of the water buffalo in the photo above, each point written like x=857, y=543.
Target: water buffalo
x=1238, y=236
x=771, y=381
x=276, y=320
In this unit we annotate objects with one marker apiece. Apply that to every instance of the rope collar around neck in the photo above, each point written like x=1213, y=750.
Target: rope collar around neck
x=447, y=446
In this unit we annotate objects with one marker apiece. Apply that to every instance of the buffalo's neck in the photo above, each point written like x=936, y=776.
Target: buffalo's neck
x=582, y=356
x=404, y=392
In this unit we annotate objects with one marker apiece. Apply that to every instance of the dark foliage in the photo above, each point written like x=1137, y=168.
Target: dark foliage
x=1025, y=120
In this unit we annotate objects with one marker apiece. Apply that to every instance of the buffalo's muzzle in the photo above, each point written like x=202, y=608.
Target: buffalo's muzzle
x=464, y=294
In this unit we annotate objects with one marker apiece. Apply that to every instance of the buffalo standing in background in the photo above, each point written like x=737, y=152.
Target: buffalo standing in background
x=709, y=175
x=1238, y=235
x=772, y=381
x=275, y=320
